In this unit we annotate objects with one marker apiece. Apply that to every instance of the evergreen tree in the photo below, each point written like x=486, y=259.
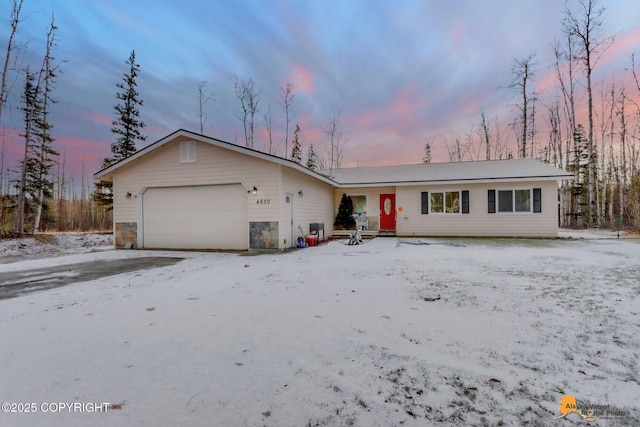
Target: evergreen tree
x=29, y=109
x=38, y=158
x=312, y=158
x=127, y=128
x=43, y=151
x=344, y=217
x=427, y=153
x=296, y=150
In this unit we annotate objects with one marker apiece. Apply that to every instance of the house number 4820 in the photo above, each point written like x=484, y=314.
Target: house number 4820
x=263, y=201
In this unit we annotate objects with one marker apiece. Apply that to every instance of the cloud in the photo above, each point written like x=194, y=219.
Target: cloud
x=402, y=110
x=401, y=74
x=98, y=118
x=620, y=50
x=302, y=79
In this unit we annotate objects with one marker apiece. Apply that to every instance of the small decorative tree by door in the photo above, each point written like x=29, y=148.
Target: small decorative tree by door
x=344, y=217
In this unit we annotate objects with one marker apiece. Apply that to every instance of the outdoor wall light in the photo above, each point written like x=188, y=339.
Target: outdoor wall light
x=300, y=193
x=128, y=194
x=253, y=191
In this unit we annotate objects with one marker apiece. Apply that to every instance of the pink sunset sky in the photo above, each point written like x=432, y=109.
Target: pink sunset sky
x=401, y=73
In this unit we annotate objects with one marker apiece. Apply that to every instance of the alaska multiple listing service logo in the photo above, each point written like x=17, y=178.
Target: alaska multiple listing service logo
x=587, y=410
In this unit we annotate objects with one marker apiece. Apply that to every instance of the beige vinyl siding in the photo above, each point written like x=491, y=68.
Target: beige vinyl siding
x=213, y=165
x=315, y=205
x=411, y=222
x=373, y=201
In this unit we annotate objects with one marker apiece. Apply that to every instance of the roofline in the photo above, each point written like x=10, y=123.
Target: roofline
x=452, y=181
x=217, y=142
x=297, y=166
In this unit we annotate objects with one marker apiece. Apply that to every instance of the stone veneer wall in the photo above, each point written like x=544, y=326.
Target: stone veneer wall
x=263, y=235
x=126, y=235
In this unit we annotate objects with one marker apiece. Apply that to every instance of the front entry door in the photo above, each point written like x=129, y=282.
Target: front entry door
x=290, y=241
x=387, y=212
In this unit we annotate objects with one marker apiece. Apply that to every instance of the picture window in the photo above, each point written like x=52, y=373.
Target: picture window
x=514, y=200
x=445, y=202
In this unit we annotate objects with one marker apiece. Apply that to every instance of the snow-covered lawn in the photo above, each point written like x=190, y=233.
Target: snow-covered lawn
x=410, y=332
x=54, y=244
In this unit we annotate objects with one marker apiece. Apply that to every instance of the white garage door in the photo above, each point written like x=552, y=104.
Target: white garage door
x=197, y=217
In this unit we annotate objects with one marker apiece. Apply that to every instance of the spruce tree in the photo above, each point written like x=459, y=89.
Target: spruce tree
x=312, y=158
x=127, y=125
x=344, y=217
x=43, y=151
x=39, y=155
x=296, y=150
x=30, y=110
x=427, y=153
x=127, y=128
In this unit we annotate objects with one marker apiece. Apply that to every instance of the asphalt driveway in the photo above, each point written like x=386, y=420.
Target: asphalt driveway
x=16, y=283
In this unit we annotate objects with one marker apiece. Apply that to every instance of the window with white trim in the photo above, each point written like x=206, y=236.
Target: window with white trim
x=514, y=200
x=445, y=202
x=187, y=152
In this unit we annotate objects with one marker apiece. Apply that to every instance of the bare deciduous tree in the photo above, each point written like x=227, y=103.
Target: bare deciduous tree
x=249, y=98
x=268, y=126
x=11, y=46
x=333, y=129
x=605, y=119
x=287, y=94
x=523, y=72
x=472, y=147
x=484, y=132
x=555, y=135
x=203, y=99
x=455, y=150
x=500, y=148
x=635, y=79
x=584, y=27
x=564, y=63
x=623, y=148
x=14, y=21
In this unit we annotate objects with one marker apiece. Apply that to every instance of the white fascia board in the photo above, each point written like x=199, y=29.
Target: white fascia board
x=452, y=182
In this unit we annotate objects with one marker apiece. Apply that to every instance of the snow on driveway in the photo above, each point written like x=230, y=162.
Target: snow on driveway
x=393, y=332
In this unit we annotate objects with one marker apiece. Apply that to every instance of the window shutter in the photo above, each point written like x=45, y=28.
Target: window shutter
x=465, y=201
x=425, y=202
x=537, y=200
x=492, y=201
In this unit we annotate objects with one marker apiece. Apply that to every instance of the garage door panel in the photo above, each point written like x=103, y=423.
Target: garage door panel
x=196, y=217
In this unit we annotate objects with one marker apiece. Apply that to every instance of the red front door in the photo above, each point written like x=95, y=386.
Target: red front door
x=387, y=212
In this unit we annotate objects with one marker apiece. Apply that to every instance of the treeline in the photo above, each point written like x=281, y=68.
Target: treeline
x=599, y=145
x=71, y=207
x=35, y=195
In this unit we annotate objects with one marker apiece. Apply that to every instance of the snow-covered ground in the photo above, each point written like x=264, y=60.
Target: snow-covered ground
x=410, y=332
x=54, y=244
